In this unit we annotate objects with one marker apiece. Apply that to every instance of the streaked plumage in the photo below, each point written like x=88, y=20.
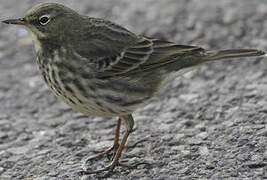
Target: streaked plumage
x=100, y=68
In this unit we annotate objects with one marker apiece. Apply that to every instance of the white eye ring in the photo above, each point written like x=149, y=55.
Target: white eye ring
x=44, y=20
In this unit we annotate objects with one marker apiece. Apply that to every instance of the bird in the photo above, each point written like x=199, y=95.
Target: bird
x=100, y=68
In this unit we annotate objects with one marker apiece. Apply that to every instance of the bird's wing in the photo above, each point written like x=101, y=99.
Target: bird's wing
x=146, y=54
x=114, y=50
x=129, y=58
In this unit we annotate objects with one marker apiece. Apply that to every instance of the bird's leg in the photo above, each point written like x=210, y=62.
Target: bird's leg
x=114, y=147
x=135, y=144
x=128, y=119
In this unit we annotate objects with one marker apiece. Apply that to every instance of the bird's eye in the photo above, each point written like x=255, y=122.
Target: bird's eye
x=44, y=20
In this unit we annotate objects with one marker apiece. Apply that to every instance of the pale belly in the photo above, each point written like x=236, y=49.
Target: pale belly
x=91, y=106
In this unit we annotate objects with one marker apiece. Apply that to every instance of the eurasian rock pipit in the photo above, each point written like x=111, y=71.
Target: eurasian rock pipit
x=102, y=69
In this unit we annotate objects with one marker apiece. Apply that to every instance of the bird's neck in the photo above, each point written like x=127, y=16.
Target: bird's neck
x=36, y=43
x=44, y=47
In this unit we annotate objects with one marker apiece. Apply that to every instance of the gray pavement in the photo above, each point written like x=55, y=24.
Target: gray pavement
x=208, y=124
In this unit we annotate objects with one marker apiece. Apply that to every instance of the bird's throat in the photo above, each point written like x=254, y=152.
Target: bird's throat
x=36, y=42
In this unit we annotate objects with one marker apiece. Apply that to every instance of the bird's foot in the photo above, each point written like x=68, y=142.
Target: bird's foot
x=109, y=168
x=113, y=148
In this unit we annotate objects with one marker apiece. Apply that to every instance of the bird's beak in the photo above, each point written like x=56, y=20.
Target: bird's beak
x=18, y=21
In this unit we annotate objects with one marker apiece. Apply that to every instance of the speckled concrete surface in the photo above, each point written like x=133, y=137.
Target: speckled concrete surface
x=209, y=124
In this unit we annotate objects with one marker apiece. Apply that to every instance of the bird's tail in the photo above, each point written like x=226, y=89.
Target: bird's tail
x=201, y=56
x=231, y=54
x=174, y=57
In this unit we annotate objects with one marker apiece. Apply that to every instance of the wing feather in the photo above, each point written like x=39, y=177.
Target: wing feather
x=148, y=54
x=113, y=50
x=132, y=57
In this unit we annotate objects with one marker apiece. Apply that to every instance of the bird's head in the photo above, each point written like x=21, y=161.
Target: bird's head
x=49, y=21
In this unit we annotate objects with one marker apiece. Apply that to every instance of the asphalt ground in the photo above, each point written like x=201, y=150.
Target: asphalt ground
x=208, y=124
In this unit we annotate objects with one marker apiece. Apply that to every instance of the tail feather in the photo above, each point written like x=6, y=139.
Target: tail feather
x=175, y=57
x=232, y=54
